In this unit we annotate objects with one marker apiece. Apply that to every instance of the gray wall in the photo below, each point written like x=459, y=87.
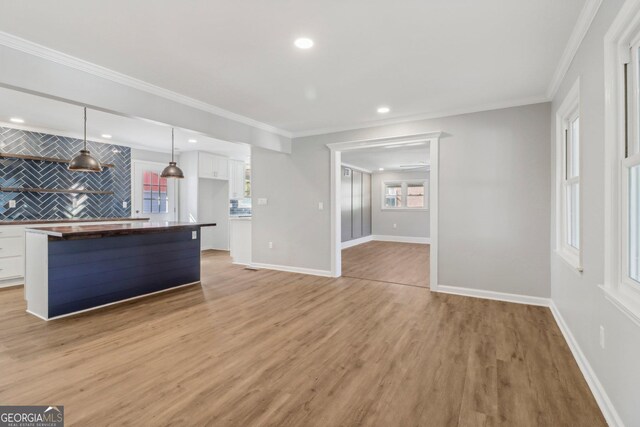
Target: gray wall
x=408, y=223
x=577, y=296
x=494, y=199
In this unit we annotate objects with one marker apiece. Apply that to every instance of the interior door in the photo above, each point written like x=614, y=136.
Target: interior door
x=345, y=189
x=153, y=197
x=366, y=204
x=356, y=205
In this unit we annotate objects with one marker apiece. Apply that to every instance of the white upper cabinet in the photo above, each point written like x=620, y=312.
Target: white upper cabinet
x=236, y=179
x=212, y=166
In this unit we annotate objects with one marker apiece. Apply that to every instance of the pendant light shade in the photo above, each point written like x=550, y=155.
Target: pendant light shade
x=172, y=171
x=84, y=162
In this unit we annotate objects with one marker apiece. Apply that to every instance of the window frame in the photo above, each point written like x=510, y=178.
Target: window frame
x=155, y=188
x=566, y=114
x=620, y=51
x=627, y=285
x=404, y=184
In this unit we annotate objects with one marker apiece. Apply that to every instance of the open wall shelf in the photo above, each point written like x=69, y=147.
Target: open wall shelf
x=51, y=190
x=42, y=159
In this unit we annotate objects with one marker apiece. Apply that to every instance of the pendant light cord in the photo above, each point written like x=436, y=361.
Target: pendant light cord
x=85, y=128
x=172, y=149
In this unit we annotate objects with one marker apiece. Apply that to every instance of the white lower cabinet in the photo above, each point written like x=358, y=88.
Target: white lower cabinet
x=11, y=255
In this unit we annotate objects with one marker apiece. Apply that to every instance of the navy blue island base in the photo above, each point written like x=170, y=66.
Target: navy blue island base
x=90, y=266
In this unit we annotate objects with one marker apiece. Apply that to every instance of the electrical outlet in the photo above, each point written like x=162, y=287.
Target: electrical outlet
x=320, y=206
x=262, y=201
x=125, y=204
x=74, y=203
x=602, y=337
x=194, y=235
x=12, y=203
x=270, y=245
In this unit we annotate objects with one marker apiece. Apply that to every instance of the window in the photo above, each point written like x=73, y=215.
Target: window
x=568, y=179
x=622, y=163
x=404, y=195
x=154, y=195
x=630, y=176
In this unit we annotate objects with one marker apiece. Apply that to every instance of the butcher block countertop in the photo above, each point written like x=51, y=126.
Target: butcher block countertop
x=96, y=231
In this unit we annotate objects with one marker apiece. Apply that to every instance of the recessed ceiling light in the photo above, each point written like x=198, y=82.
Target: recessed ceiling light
x=380, y=169
x=106, y=136
x=16, y=120
x=192, y=141
x=383, y=110
x=303, y=43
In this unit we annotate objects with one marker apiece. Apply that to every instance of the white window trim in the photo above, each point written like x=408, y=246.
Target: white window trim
x=622, y=35
x=568, y=110
x=405, y=183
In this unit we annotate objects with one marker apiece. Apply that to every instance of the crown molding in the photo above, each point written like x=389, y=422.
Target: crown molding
x=426, y=116
x=31, y=48
x=587, y=14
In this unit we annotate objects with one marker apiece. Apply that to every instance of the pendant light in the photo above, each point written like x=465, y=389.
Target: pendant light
x=84, y=162
x=172, y=171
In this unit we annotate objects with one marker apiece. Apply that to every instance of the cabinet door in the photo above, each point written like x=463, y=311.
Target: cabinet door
x=206, y=165
x=221, y=167
x=236, y=179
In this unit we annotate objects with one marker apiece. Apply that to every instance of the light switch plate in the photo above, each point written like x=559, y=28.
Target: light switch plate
x=194, y=235
x=12, y=203
x=124, y=204
x=262, y=201
x=320, y=206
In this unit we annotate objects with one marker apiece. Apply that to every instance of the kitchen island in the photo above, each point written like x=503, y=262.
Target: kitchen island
x=70, y=269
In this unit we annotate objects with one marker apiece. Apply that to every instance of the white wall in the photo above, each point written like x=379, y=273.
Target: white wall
x=152, y=156
x=577, y=296
x=408, y=223
x=494, y=199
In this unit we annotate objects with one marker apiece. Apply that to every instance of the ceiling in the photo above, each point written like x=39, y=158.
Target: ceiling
x=46, y=115
x=417, y=57
x=388, y=157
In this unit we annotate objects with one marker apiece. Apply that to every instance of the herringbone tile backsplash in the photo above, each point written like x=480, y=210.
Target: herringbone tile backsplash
x=42, y=174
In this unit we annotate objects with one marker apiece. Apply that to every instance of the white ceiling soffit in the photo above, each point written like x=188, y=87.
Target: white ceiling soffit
x=248, y=64
x=60, y=118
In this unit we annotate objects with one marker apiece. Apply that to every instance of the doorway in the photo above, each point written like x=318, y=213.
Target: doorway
x=152, y=196
x=366, y=255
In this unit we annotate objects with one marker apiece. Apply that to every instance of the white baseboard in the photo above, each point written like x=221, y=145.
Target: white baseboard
x=355, y=242
x=310, y=271
x=402, y=239
x=498, y=296
x=11, y=285
x=607, y=408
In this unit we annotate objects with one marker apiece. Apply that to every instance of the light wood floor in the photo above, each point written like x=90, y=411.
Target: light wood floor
x=404, y=263
x=271, y=348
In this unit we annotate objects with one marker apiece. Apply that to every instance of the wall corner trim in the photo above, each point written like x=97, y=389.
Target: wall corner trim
x=492, y=295
x=587, y=14
x=605, y=404
x=290, y=269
